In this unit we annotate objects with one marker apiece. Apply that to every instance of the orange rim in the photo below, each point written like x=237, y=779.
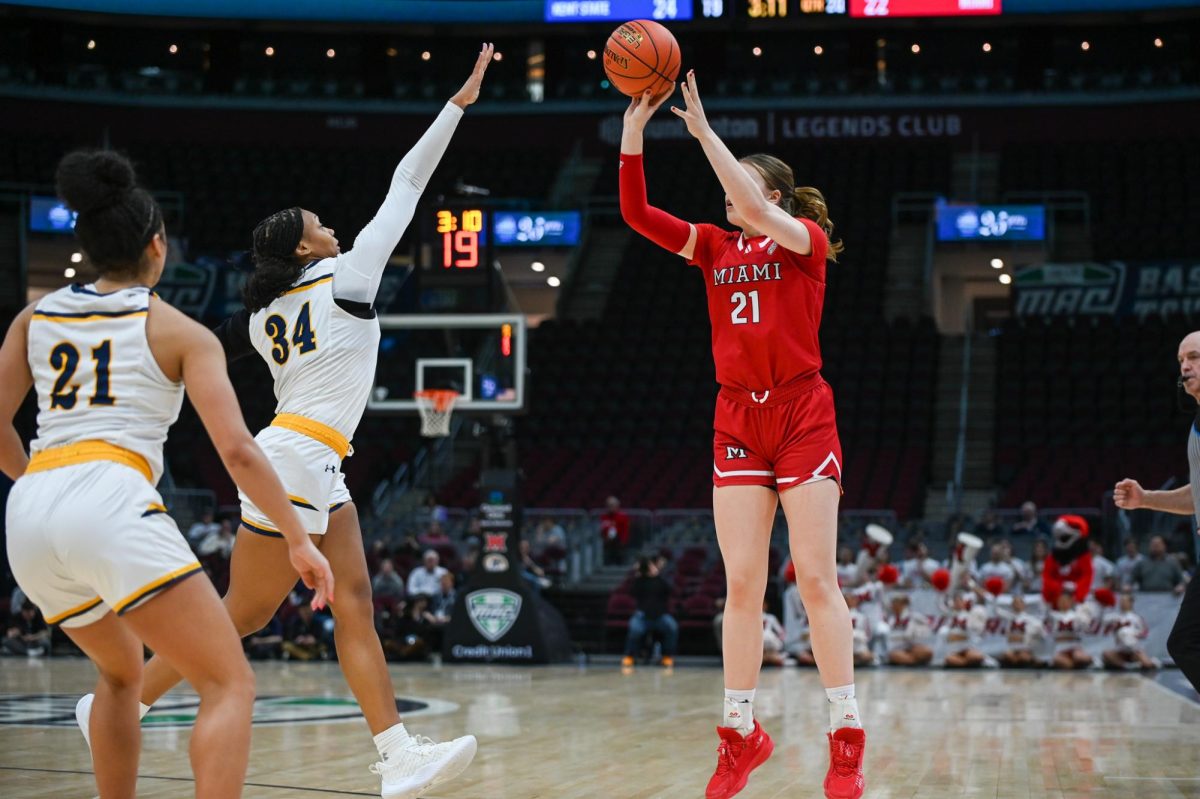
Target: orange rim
x=441, y=399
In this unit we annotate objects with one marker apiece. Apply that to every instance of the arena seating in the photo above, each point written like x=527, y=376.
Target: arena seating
x=1077, y=400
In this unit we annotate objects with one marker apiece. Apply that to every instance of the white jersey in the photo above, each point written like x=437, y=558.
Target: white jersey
x=95, y=376
x=322, y=358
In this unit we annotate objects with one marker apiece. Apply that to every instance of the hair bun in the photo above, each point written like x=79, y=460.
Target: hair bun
x=92, y=180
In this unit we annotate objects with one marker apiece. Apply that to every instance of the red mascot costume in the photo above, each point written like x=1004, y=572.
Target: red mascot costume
x=1069, y=564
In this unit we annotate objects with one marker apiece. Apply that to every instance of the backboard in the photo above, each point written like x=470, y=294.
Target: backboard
x=481, y=356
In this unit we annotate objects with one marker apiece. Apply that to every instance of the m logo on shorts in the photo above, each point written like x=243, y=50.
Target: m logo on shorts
x=493, y=611
x=735, y=453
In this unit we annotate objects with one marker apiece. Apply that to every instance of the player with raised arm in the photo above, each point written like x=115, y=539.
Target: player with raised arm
x=88, y=537
x=310, y=315
x=776, y=438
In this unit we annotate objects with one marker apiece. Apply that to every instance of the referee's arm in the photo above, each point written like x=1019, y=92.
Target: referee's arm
x=1129, y=494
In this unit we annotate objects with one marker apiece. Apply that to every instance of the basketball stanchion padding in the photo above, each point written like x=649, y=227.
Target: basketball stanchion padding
x=435, y=407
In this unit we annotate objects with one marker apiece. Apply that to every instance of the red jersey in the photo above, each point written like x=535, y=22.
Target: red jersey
x=764, y=303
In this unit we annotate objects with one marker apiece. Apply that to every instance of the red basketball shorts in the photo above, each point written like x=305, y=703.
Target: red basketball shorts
x=779, y=439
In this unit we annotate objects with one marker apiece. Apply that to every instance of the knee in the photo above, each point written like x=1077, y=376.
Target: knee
x=355, y=602
x=124, y=677
x=249, y=617
x=818, y=587
x=745, y=589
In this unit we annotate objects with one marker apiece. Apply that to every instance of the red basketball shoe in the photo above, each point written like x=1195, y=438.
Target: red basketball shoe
x=844, y=780
x=736, y=758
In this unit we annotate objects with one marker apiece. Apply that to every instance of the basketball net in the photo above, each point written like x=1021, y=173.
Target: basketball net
x=435, y=407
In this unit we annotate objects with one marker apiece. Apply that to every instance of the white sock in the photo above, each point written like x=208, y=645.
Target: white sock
x=143, y=710
x=843, y=707
x=391, y=741
x=739, y=710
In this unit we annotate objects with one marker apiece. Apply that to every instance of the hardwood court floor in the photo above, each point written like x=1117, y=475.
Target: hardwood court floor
x=578, y=733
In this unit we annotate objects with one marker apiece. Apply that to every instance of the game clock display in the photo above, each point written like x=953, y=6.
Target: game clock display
x=459, y=239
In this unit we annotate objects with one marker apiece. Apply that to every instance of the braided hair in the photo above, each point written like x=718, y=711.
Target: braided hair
x=117, y=219
x=275, y=266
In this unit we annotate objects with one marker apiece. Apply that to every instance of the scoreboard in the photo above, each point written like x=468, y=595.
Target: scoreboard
x=794, y=9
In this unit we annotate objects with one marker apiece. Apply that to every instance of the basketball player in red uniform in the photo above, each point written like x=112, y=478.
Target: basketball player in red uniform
x=776, y=439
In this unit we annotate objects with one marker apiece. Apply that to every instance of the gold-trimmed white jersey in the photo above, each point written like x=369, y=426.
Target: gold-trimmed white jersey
x=322, y=358
x=95, y=376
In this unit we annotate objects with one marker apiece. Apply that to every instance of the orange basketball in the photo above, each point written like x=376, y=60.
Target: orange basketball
x=641, y=55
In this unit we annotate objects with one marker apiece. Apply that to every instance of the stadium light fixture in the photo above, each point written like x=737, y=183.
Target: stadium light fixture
x=91, y=45
x=987, y=47
x=426, y=55
x=916, y=48
x=69, y=272
x=538, y=266
x=591, y=54
x=497, y=56
x=997, y=263
x=1158, y=42
x=1005, y=279
x=173, y=49
x=331, y=53
x=757, y=51
x=270, y=51
x=76, y=257
x=818, y=50
x=392, y=52
x=553, y=282
x=1085, y=46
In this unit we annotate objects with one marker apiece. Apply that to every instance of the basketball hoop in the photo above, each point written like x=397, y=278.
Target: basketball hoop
x=435, y=407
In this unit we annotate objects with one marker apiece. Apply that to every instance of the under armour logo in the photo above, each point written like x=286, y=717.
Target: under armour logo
x=734, y=453
x=331, y=468
x=754, y=396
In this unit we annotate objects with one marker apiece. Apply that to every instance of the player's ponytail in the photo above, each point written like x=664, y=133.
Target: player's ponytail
x=802, y=201
x=116, y=219
x=276, y=268
x=810, y=204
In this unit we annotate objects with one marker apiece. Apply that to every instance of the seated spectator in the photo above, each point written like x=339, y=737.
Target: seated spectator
x=1029, y=523
x=1066, y=625
x=1037, y=565
x=847, y=569
x=1103, y=570
x=27, y=634
x=435, y=536
x=652, y=596
x=267, y=643
x=917, y=565
x=438, y=514
x=219, y=542
x=797, y=642
x=412, y=632
x=304, y=636
x=202, y=529
x=963, y=633
x=534, y=574
x=1126, y=562
x=442, y=604
x=1020, y=568
x=908, y=635
x=863, y=656
x=1132, y=631
x=387, y=585
x=989, y=527
x=427, y=578
x=873, y=552
x=1026, y=636
x=549, y=533
x=773, y=635
x=614, y=532
x=998, y=566
x=1158, y=571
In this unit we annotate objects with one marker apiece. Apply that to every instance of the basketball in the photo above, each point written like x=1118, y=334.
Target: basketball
x=641, y=55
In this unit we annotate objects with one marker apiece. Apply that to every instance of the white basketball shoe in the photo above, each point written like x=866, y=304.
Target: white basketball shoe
x=422, y=764
x=83, y=714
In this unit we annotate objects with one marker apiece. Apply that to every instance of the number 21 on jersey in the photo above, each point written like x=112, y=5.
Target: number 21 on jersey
x=304, y=338
x=739, y=300
x=65, y=358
